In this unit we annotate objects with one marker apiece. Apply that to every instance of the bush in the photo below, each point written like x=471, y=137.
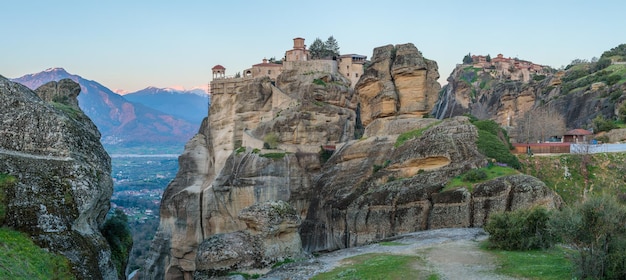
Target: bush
x=491, y=146
x=601, y=124
x=520, y=230
x=475, y=175
x=117, y=233
x=596, y=229
x=270, y=141
x=325, y=154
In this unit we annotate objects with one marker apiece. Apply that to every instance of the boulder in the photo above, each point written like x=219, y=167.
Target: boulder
x=63, y=188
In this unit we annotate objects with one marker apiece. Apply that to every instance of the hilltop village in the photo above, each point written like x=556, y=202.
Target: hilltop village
x=512, y=68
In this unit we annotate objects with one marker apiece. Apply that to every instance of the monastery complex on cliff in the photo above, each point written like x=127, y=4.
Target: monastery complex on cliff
x=513, y=68
x=298, y=58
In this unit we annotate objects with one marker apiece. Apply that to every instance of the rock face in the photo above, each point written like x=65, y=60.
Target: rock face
x=478, y=92
x=64, y=186
x=400, y=81
x=276, y=171
x=226, y=170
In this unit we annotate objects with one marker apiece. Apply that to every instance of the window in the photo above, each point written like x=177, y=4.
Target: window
x=269, y=72
x=356, y=75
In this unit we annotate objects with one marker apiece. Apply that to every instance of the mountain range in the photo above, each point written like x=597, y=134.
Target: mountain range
x=125, y=120
x=190, y=105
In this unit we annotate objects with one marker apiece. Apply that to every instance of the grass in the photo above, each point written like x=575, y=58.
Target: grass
x=378, y=266
x=606, y=176
x=20, y=258
x=245, y=275
x=391, y=243
x=493, y=171
x=535, y=264
x=412, y=134
x=67, y=109
x=273, y=155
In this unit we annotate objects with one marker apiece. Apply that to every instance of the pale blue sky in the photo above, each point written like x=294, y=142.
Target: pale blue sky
x=131, y=45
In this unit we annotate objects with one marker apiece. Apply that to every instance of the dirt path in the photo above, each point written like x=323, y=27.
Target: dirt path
x=451, y=253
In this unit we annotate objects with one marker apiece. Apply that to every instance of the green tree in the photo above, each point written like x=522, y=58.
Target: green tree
x=619, y=50
x=117, y=233
x=488, y=58
x=317, y=49
x=331, y=47
x=601, y=124
x=520, y=230
x=467, y=59
x=596, y=229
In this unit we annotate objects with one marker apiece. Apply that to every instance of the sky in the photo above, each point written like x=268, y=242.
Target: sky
x=131, y=45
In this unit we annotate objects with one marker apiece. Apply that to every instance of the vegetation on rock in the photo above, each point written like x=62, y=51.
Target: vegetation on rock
x=474, y=176
x=20, y=258
x=493, y=142
x=115, y=230
x=412, y=134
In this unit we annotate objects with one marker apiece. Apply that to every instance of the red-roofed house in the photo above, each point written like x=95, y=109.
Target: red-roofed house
x=576, y=135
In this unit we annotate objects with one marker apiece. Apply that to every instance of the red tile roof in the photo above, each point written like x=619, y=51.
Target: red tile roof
x=578, y=131
x=217, y=67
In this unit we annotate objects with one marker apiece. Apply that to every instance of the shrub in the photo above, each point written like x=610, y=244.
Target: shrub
x=117, y=233
x=319, y=82
x=491, y=146
x=613, y=79
x=475, y=175
x=596, y=230
x=270, y=141
x=602, y=124
x=325, y=154
x=520, y=230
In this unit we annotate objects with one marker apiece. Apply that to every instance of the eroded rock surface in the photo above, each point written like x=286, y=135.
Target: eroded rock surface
x=64, y=186
x=292, y=142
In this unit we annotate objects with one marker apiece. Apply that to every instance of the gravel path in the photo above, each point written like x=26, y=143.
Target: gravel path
x=451, y=253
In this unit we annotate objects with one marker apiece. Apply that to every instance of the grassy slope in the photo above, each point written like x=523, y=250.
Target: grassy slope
x=20, y=258
x=551, y=264
x=605, y=174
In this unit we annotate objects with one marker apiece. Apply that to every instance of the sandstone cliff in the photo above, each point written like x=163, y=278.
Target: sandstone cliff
x=578, y=94
x=63, y=174
x=255, y=185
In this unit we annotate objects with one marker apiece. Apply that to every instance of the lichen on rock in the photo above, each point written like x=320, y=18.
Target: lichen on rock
x=63, y=184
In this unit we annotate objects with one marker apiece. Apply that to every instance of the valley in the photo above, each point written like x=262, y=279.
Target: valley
x=140, y=175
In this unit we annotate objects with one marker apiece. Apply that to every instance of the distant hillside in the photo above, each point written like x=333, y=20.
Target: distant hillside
x=578, y=94
x=191, y=105
x=121, y=122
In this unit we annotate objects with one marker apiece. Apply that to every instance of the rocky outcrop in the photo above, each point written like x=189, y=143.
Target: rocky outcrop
x=271, y=155
x=372, y=190
x=271, y=236
x=226, y=169
x=63, y=187
x=400, y=81
x=479, y=92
